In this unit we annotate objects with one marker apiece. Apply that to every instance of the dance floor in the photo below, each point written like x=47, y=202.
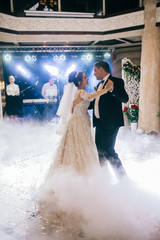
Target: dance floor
x=26, y=150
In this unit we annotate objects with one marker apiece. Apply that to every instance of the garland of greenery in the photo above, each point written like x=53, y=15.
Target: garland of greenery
x=132, y=69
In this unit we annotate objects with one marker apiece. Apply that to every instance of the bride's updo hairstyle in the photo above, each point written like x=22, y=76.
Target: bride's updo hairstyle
x=75, y=77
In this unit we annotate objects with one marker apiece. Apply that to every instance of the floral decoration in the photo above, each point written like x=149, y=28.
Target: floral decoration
x=131, y=112
x=132, y=69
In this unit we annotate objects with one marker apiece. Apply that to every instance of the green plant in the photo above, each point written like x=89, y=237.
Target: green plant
x=131, y=112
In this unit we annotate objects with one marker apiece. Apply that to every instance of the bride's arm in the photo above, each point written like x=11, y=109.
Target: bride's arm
x=90, y=96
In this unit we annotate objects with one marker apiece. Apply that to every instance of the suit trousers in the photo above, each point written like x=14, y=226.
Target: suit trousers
x=105, y=141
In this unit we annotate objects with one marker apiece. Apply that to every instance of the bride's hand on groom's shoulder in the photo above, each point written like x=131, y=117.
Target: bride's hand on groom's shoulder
x=109, y=86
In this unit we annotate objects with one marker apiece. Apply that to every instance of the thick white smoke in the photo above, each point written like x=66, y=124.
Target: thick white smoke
x=69, y=206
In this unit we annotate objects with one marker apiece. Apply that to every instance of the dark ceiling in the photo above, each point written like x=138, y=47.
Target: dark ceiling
x=112, y=6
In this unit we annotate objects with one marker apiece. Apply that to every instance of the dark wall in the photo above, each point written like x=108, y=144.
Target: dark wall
x=5, y=6
x=114, y=6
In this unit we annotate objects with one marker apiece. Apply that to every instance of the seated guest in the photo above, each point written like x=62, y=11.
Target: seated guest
x=49, y=90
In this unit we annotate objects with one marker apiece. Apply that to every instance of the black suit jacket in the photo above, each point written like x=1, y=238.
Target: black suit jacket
x=110, y=106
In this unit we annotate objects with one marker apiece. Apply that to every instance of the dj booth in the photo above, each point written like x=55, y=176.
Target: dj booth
x=40, y=108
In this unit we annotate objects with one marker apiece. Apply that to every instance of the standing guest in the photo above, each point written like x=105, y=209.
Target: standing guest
x=49, y=91
x=107, y=115
x=13, y=106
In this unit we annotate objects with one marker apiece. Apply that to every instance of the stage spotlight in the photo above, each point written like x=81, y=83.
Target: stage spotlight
x=27, y=58
x=7, y=57
x=70, y=69
x=52, y=70
x=34, y=58
x=83, y=57
x=87, y=57
x=60, y=58
x=23, y=71
x=55, y=58
x=107, y=55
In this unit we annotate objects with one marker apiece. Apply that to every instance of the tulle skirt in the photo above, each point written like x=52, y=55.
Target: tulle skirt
x=77, y=149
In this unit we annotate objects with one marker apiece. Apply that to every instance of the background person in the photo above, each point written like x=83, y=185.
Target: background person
x=14, y=105
x=49, y=91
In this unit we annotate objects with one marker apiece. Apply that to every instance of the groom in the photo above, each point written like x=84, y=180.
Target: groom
x=107, y=115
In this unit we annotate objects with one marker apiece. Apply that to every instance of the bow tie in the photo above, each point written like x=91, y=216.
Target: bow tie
x=51, y=84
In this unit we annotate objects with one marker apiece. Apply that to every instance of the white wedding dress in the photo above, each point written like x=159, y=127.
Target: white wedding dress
x=75, y=159
x=77, y=149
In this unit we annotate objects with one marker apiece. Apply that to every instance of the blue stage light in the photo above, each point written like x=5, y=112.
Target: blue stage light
x=87, y=57
x=7, y=57
x=52, y=70
x=70, y=69
x=62, y=58
x=107, y=55
x=23, y=71
x=34, y=58
x=27, y=58
x=59, y=59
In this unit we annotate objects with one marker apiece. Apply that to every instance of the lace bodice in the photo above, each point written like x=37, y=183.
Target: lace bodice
x=82, y=107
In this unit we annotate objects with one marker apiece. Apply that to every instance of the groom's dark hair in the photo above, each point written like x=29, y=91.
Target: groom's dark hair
x=102, y=64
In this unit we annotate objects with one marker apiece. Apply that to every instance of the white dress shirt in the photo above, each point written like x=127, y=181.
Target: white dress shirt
x=12, y=90
x=49, y=90
x=96, y=104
